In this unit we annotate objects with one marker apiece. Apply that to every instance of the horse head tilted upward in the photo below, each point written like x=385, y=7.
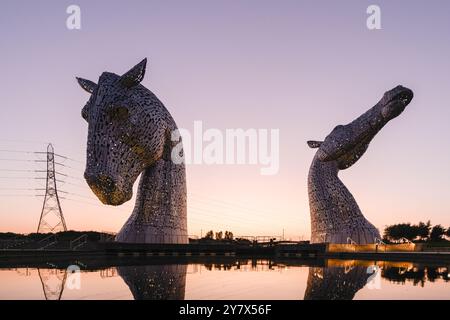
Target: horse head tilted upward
x=129, y=133
x=335, y=215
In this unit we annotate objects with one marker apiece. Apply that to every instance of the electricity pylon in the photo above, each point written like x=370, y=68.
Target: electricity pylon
x=53, y=282
x=52, y=219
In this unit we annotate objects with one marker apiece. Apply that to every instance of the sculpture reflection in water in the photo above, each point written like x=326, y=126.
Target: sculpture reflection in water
x=155, y=282
x=337, y=283
x=327, y=280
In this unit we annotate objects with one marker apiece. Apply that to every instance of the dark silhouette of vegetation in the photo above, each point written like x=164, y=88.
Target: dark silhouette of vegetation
x=399, y=231
x=243, y=241
x=423, y=230
x=209, y=235
x=419, y=232
x=63, y=239
x=92, y=236
x=220, y=236
x=417, y=275
x=437, y=233
x=229, y=236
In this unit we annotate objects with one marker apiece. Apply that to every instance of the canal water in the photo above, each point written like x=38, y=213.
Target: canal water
x=236, y=279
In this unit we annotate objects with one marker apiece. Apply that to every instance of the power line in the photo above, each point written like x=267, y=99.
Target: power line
x=222, y=215
x=17, y=189
x=67, y=158
x=56, y=172
x=76, y=178
x=229, y=205
x=40, y=152
x=15, y=159
x=82, y=196
x=16, y=151
x=230, y=220
x=15, y=178
x=75, y=185
x=212, y=214
x=209, y=199
x=17, y=195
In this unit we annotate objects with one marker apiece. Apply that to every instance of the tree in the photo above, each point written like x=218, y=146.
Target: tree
x=209, y=235
x=229, y=236
x=219, y=235
x=423, y=230
x=447, y=233
x=436, y=233
x=402, y=230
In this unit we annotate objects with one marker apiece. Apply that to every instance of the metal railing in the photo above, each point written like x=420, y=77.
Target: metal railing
x=257, y=239
x=107, y=236
x=379, y=241
x=78, y=242
x=47, y=242
x=13, y=243
x=404, y=240
x=165, y=238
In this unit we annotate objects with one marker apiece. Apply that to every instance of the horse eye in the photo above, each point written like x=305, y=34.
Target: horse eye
x=118, y=113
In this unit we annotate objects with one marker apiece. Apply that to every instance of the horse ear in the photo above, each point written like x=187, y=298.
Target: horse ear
x=314, y=144
x=87, y=85
x=135, y=75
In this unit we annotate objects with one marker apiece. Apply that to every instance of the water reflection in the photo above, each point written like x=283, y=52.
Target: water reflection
x=417, y=275
x=155, y=282
x=337, y=283
x=246, y=265
x=53, y=282
x=335, y=280
x=228, y=279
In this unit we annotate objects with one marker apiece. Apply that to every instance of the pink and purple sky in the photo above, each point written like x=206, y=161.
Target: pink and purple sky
x=299, y=66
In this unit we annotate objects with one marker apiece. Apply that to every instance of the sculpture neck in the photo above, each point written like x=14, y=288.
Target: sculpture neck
x=335, y=215
x=160, y=214
x=161, y=197
x=323, y=170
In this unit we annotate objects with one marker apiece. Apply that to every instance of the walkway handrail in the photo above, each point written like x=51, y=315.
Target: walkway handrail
x=47, y=241
x=14, y=242
x=75, y=243
x=405, y=240
x=107, y=236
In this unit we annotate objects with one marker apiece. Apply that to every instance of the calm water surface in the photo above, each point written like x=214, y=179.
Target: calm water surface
x=239, y=279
